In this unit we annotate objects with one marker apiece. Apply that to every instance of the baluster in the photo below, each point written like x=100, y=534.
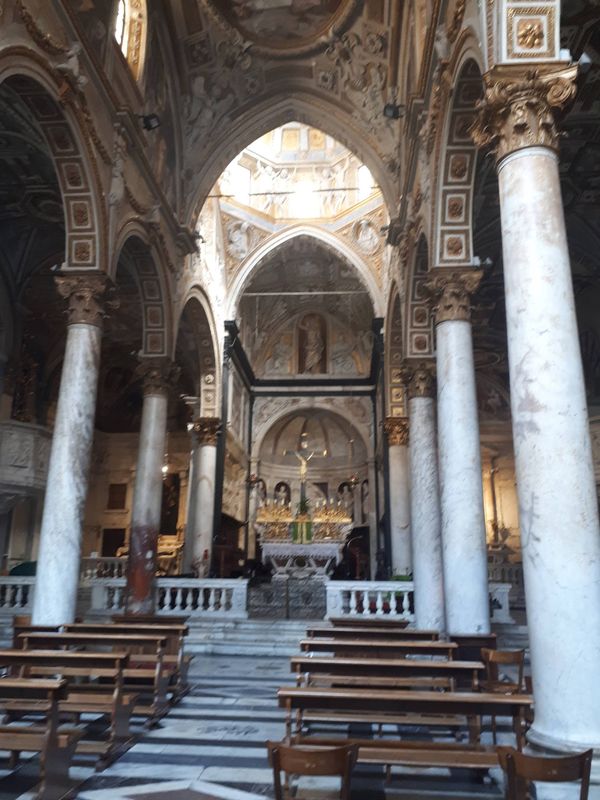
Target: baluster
x=211, y=600
x=353, y=603
x=366, y=602
x=379, y=603
x=405, y=604
x=393, y=604
x=179, y=598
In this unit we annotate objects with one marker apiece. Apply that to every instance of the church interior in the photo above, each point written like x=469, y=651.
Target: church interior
x=299, y=399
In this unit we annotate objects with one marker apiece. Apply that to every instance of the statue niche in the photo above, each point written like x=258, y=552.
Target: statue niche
x=312, y=345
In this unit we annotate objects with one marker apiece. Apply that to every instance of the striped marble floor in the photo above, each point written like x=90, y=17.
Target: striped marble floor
x=212, y=746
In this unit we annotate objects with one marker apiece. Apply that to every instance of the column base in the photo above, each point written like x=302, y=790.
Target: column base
x=545, y=742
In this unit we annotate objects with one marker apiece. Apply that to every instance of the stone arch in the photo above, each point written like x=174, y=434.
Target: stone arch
x=453, y=245
x=330, y=239
x=351, y=409
x=394, y=356
x=270, y=113
x=51, y=101
x=418, y=326
x=197, y=306
x=137, y=255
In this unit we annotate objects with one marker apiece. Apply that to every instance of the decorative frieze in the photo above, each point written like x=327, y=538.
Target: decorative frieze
x=519, y=110
x=157, y=374
x=421, y=382
x=396, y=429
x=451, y=293
x=206, y=430
x=89, y=297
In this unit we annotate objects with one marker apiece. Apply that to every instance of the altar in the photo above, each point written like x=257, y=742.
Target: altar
x=303, y=544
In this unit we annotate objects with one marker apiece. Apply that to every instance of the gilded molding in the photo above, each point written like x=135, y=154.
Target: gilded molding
x=451, y=292
x=421, y=381
x=43, y=40
x=396, y=429
x=521, y=111
x=157, y=373
x=88, y=296
x=456, y=22
x=206, y=430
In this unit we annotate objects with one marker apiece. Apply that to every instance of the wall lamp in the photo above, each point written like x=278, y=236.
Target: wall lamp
x=150, y=121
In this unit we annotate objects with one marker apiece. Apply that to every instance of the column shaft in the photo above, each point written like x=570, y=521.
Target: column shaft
x=400, y=509
x=463, y=525
x=558, y=508
x=147, y=501
x=425, y=516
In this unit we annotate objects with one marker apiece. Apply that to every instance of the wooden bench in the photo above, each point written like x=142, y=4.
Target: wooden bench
x=372, y=632
x=174, y=655
x=56, y=745
x=390, y=673
x=149, y=677
x=378, y=648
x=150, y=619
x=359, y=620
x=400, y=707
x=469, y=646
x=94, y=686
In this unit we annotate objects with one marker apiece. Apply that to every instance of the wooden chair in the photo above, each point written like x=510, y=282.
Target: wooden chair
x=337, y=761
x=520, y=769
x=493, y=659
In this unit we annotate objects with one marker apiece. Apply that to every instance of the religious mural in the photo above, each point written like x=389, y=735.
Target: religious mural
x=312, y=343
x=281, y=22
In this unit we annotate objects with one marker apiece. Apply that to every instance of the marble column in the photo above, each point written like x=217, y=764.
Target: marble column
x=157, y=374
x=202, y=486
x=59, y=551
x=558, y=509
x=396, y=429
x=461, y=495
x=425, y=514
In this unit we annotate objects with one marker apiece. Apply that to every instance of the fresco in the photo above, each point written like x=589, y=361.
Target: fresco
x=279, y=23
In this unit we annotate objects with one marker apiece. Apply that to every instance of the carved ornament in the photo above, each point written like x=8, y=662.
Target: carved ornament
x=421, y=381
x=456, y=22
x=396, y=429
x=521, y=111
x=451, y=292
x=206, y=430
x=43, y=40
x=89, y=297
x=158, y=374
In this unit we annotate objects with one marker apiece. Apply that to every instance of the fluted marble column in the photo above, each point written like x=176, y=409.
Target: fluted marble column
x=59, y=553
x=425, y=514
x=463, y=524
x=558, y=509
x=202, y=485
x=396, y=429
x=157, y=374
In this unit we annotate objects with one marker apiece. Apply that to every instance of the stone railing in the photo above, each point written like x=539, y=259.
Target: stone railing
x=102, y=567
x=395, y=599
x=509, y=572
x=16, y=594
x=370, y=598
x=196, y=597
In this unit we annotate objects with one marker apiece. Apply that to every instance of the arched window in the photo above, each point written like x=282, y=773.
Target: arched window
x=130, y=32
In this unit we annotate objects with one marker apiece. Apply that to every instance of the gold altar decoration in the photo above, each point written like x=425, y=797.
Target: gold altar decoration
x=327, y=522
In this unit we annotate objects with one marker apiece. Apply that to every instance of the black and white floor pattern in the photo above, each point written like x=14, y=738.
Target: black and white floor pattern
x=212, y=745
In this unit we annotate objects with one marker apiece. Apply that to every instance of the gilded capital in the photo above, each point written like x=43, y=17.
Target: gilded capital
x=521, y=109
x=158, y=374
x=450, y=292
x=396, y=429
x=206, y=429
x=421, y=381
x=88, y=297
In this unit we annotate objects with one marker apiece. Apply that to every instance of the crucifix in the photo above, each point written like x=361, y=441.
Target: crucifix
x=303, y=456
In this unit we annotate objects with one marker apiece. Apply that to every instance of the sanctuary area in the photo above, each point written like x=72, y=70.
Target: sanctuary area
x=299, y=399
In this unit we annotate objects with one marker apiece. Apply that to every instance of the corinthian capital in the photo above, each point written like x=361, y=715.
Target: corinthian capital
x=520, y=109
x=451, y=291
x=89, y=297
x=206, y=429
x=397, y=430
x=158, y=374
x=421, y=382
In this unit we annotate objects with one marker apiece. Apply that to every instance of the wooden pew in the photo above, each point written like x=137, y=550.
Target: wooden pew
x=344, y=705
x=372, y=632
x=100, y=693
x=389, y=673
x=148, y=677
x=150, y=619
x=378, y=648
x=174, y=656
x=56, y=745
x=469, y=646
x=359, y=621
